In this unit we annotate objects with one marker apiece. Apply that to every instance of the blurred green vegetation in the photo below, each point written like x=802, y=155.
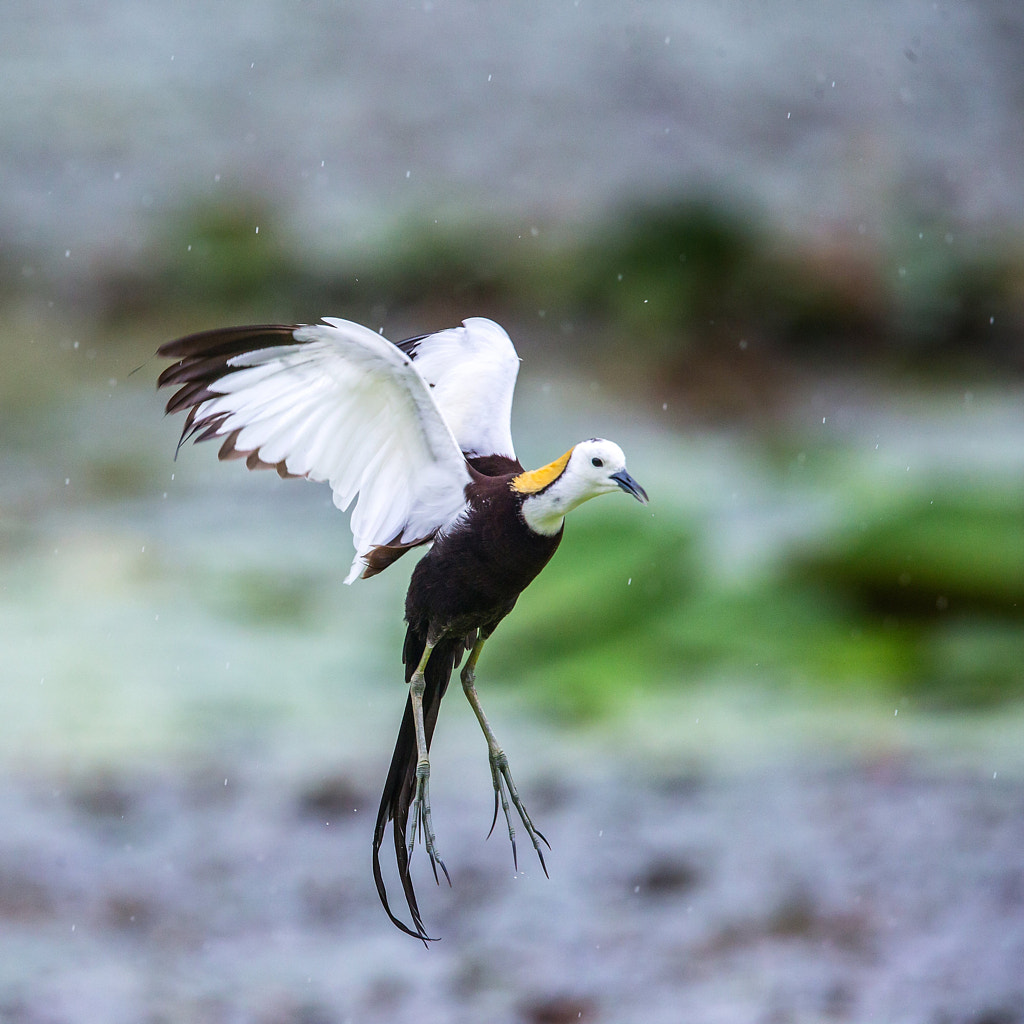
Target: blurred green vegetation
x=921, y=601
x=924, y=604
x=692, y=278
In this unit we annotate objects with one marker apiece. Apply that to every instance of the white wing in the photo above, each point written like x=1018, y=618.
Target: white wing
x=333, y=402
x=472, y=373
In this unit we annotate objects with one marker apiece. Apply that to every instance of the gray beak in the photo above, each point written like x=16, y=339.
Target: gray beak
x=630, y=486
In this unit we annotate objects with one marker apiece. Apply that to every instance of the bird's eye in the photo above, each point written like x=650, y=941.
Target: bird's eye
x=597, y=462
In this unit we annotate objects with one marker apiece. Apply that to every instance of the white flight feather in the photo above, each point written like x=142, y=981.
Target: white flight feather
x=472, y=371
x=348, y=407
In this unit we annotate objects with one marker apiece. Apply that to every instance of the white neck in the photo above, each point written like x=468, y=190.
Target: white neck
x=545, y=512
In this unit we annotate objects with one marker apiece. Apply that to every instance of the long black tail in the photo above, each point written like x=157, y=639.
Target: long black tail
x=400, y=787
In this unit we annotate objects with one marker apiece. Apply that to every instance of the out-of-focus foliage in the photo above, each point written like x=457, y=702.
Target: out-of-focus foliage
x=681, y=301
x=684, y=278
x=944, y=576
x=598, y=615
x=925, y=604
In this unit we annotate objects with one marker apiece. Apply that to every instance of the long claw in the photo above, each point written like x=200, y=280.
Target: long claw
x=494, y=819
x=505, y=793
x=422, y=826
x=540, y=854
x=501, y=777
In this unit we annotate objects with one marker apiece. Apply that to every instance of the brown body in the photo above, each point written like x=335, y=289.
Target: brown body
x=465, y=585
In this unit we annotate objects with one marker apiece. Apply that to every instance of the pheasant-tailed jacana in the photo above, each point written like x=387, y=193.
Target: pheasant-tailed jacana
x=418, y=435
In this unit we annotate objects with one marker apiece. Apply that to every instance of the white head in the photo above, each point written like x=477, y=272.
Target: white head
x=590, y=468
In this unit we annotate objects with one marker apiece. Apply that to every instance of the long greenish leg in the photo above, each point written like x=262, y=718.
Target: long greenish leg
x=422, y=823
x=501, y=776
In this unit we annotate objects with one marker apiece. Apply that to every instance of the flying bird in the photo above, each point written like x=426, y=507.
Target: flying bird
x=417, y=434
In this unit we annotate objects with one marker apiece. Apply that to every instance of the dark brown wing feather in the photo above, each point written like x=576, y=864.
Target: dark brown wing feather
x=494, y=465
x=202, y=360
x=224, y=342
x=379, y=558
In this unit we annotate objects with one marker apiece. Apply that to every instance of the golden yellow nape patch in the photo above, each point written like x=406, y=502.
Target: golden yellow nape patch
x=535, y=480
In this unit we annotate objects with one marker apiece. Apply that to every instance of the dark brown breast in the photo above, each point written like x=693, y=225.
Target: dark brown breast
x=474, y=573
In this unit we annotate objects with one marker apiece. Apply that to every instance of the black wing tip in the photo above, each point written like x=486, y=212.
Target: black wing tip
x=200, y=360
x=211, y=342
x=410, y=346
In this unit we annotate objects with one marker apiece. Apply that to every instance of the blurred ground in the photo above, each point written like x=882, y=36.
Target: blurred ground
x=883, y=888
x=198, y=717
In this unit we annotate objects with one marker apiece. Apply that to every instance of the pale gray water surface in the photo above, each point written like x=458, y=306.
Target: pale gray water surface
x=347, y=117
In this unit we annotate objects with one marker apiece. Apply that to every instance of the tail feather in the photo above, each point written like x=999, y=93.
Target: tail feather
x=400, y=786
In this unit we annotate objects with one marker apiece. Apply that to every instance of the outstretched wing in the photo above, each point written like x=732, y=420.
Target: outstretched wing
x=472, y=373
x=334, y=402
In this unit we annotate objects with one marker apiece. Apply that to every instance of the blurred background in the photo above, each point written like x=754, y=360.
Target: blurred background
x=771, y=723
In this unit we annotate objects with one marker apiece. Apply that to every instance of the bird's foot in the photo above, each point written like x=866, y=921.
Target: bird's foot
x=505, y=792
x=422, y=825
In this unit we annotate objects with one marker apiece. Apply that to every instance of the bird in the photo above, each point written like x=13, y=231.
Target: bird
x=415, y=436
